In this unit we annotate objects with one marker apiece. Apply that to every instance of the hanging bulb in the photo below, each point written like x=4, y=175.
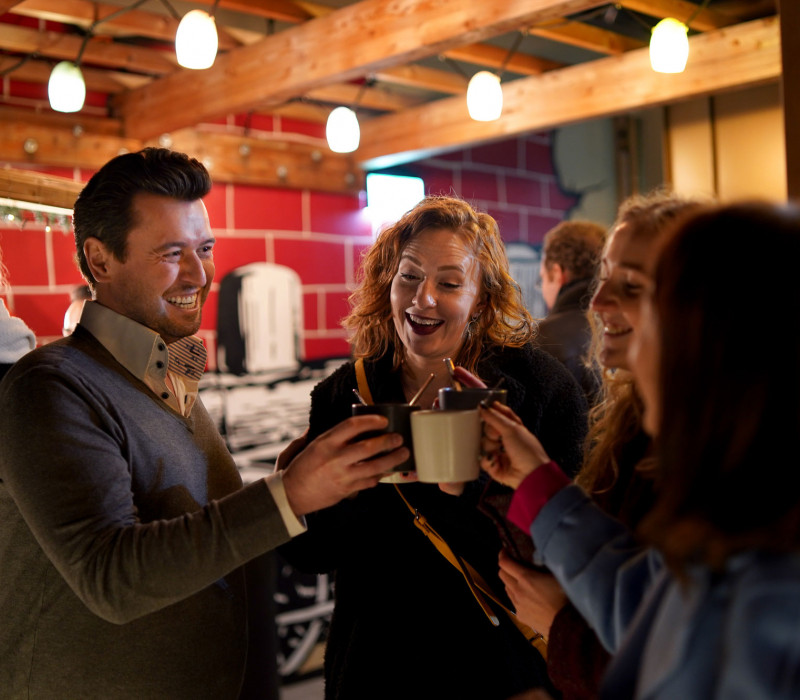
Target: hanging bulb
x=196, y=40
x=342, y=130
x=484, y=97
x=669, y=46
x=66, y=88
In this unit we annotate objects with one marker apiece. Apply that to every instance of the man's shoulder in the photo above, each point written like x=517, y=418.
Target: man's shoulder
x=66, y=358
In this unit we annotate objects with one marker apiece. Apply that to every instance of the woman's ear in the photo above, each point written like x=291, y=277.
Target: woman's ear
x=97, y=258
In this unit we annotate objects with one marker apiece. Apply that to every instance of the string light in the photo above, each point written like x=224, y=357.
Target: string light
x=484, y=97
x=66, y=87
x=669, y=46
x=342, y=130
x=196, y=40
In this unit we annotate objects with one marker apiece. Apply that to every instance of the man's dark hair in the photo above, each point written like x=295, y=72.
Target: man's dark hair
x=104, y=208
x=576, y=246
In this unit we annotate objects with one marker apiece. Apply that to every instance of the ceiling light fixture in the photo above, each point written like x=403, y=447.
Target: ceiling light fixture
x=196, y=40
x=342, y=129
x=66, y=88
x=669, y=46
x=485, y=97
x=484, y=93
x=669, y=43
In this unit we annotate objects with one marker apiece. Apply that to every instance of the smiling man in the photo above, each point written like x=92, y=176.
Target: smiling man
x=125, y=526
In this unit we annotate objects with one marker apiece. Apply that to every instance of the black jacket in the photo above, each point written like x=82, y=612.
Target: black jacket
x=567, y=335
x=405, y=624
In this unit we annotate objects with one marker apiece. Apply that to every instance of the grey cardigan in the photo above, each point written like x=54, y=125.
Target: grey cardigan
x=123, y=530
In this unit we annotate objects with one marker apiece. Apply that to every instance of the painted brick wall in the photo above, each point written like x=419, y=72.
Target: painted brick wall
x=512, y=180
x=319, y=235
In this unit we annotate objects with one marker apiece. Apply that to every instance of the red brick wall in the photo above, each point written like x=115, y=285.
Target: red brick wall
x=319, y=235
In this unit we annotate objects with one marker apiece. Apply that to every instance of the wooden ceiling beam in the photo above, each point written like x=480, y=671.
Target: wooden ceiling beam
x=282, y=10
x=330, y=49
x=39, y=188
x=705, y=20
x=271, y=163
x=98, y=51
x=75, y=123
x=376, y=98
x=423, y=78
x=34, y=71
x=496, y=56
x=736, y=57
x=303, y=163
x=585, y=36
x=83, y=13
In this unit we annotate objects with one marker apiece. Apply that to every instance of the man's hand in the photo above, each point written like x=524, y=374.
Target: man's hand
x=332, y=467
x=536, y=596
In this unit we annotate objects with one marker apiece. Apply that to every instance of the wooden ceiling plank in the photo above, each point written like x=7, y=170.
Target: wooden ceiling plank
x=39, y=188
x=7, y=5
x=357, y=40
x=282, y=10
x=496, y=56
x=356, y=95
x=264, y=162
x=270, y=163
x=33, y=71
x=423, y=78
x=727, y=59
x=57, y=120
x=586, y=36
x=98, y=52
x=704, y=20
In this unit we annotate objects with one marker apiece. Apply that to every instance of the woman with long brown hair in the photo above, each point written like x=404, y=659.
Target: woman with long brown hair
x=707, y=603
x=617, y=469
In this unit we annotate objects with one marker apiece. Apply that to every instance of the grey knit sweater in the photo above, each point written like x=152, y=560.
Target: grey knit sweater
x=123, y=527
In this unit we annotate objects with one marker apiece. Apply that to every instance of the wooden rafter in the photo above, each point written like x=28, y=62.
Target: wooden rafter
x=84, y=13
x=289, y=63
x=98, y=51
x=585, y=36
x=740, y=56
x=704, y=20
x=39, y=188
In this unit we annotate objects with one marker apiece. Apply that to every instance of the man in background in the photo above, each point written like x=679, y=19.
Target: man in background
x=570, y=258
x=125, y=526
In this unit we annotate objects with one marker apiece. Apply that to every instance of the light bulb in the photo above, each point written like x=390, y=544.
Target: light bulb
x=484, y=97
x=196, y=40
x=66, y=88
x=669, y=46
x=342, y=130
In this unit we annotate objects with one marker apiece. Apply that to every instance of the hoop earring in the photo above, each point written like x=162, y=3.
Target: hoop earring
x=472, y=326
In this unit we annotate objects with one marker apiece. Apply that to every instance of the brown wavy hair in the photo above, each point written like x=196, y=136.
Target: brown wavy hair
x=503, y=321
x=617, y=417
x=729, y=405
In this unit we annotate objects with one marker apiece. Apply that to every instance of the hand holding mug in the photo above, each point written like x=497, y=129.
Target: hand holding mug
x=509, y=450
x=336, y=464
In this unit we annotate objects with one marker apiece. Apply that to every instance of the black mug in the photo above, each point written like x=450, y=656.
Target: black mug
x=399, y=415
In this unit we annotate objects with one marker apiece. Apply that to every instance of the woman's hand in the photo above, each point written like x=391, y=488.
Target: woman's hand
x=466, y=378
x=509, y=450
x=536, y=596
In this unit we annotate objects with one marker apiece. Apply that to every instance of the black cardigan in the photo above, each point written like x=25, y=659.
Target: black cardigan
x=405, y=623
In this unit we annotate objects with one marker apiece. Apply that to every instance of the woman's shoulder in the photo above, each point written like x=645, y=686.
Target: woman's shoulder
x=340, y=379
x=534, y=367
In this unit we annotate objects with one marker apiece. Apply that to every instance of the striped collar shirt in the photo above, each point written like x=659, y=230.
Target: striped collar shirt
x=146, y=355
